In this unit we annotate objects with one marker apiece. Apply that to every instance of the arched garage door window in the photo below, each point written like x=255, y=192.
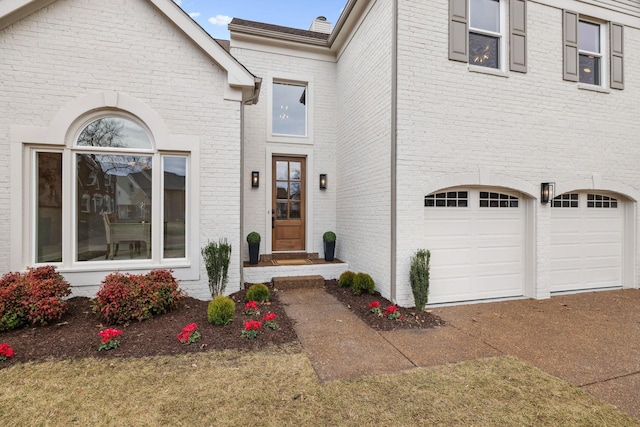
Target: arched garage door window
x=127, y=201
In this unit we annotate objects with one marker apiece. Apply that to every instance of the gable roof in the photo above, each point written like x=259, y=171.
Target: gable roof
x=238, y=77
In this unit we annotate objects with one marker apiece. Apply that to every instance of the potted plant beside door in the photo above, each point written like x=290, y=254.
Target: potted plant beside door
x=253, y=239
x=329, y=239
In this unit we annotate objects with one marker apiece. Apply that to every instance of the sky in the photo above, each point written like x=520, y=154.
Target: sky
x=214, y=15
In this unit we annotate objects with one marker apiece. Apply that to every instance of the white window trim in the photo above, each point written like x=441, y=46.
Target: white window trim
x=502, y=42
x=310, y=97
x=603, y=54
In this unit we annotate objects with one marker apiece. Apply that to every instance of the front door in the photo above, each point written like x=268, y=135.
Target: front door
x=288, y=204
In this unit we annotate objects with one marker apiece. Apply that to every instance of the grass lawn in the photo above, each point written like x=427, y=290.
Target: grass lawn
x=278, y=387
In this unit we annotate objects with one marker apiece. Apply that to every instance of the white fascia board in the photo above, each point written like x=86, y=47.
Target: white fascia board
x=14, y=10
x=237, y=75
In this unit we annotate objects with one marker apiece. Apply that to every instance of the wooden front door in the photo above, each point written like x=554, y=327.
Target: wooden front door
x=288, y=204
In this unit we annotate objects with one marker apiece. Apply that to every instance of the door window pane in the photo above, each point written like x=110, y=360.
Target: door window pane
x=113, y=207
x=282, y=171
x=281, y=190
x=281, y=210
x=294, y=171
x=49, y=211
x=175, y=206
x=289, y=109
x=294, y=191
x=295, y=210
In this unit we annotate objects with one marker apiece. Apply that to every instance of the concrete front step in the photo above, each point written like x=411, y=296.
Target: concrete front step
x=298, y=282
x=264, y=274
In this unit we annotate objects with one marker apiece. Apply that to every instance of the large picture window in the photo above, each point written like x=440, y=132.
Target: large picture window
x=129, y=201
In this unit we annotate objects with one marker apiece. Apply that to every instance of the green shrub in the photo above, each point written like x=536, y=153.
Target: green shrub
x=258, y=292
x=346, y=279
x=253, y=237
x=126, y=297
x=34, y=297
x=217, y=257
x=329, y=236
x=363, y=282
x=220, y=310
x=419, y=278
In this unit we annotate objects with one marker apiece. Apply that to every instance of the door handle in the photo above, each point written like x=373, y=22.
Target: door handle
x=273, y=222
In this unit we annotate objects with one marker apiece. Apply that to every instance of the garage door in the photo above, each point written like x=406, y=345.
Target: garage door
x=476, y=239
x=586, y=241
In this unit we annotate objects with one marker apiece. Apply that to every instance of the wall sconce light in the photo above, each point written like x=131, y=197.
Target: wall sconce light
x=255, y=179
x=546, y=191
x=323, y=181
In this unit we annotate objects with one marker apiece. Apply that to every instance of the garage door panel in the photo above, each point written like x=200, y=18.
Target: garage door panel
x=586, y=247
x=476, y=253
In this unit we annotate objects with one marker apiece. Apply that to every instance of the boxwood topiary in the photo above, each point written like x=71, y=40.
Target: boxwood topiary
x=258, y=292
x=363, y=282
x=253, y=237
x=346, y=279
x=220, y=310
x=329, y=236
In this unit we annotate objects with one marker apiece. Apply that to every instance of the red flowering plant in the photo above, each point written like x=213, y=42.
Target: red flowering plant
x=374, y=307
x=5, y=351
x=392, y=313
x=270, y=321
x=189, y=334
x=251, y=329
x=251, y=307
x=109, y=341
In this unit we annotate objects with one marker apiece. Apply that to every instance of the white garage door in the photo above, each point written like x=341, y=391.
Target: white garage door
x=586, y=242
x=476, y=239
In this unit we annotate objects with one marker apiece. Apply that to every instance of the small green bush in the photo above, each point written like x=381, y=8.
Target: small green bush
x=220, y=310
x=419, y=278
x=217, y=257
x=126, y=297
x=363, y=282
x=346, y=279
x=253, y=237
x=34, y=297
x=258, y=292
x=329, y=236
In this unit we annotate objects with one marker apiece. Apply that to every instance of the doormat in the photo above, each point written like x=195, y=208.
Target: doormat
x=291, y=262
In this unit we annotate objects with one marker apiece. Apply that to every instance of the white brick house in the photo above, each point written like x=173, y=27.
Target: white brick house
x=434, y=125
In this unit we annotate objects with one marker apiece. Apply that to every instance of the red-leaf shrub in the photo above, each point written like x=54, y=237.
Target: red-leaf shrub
x=33, y=297
x=125, y=297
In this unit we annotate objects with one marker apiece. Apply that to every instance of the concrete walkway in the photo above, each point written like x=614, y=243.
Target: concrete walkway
x=591, y=339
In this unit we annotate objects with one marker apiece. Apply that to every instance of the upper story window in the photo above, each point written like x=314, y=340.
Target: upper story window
x=589, y=53
x=480, y=33
x=485, y=36
x=289, y=109
x=592, y=49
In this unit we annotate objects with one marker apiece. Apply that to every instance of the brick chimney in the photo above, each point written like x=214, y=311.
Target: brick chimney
x=320, y=25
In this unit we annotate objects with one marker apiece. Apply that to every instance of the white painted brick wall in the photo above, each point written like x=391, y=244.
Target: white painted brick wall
x=530, y=128
x=364, y=148
x=74, y=48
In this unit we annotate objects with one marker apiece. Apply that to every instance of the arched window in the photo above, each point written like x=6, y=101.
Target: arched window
x=128, y=200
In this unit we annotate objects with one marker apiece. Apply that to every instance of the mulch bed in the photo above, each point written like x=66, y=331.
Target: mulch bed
x=75, y=335
x=359, y=305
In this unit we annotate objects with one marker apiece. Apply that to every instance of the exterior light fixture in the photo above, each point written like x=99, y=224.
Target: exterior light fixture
x=323, y=181
x=546, y=191
x=255, y=179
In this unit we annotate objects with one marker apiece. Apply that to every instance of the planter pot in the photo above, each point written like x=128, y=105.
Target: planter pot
x=329, y=250
x=254, y=253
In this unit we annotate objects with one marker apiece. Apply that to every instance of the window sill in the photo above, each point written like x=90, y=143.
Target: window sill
x=593, y=88
x=290, y=139
x=486, y=70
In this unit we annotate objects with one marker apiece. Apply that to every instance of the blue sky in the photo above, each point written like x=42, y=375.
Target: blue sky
x=214, y=15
